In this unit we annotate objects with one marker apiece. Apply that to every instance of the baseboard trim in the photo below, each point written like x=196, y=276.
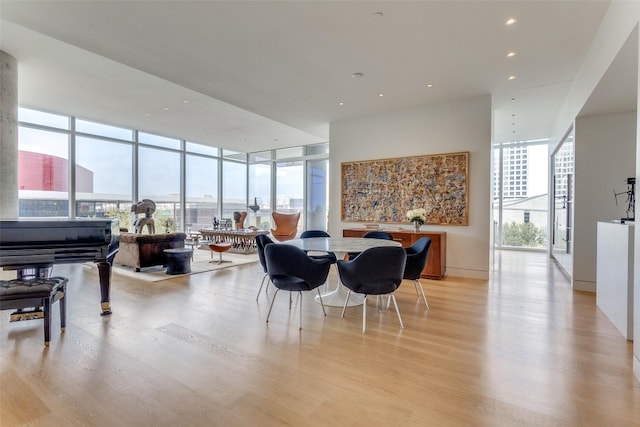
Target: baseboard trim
x=467, y=274
x=581, y=285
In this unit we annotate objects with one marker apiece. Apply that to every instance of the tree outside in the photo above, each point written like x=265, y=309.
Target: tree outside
x=523, y=234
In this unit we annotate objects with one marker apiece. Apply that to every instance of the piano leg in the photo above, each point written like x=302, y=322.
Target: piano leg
x=104, y=271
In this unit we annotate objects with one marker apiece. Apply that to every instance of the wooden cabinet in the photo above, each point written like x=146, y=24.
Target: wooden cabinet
x=437, y=258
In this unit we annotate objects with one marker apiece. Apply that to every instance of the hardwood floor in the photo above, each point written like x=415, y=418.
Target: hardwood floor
x=520, y=350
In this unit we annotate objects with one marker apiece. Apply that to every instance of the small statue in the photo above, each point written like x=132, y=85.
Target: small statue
x=238, y=219
x=255, y=207
x=146, y=207
x=216, y=223
x=631, y=199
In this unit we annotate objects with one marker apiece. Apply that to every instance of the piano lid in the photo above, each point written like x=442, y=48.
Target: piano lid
x=57, y=232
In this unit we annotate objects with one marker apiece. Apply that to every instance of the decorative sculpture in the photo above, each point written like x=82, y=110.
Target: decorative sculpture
x=238, y=219
x=146, y=207
x=631, y=199
x=255, y=207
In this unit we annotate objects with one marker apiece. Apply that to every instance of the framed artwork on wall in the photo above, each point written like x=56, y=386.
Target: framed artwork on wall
x=384, y=190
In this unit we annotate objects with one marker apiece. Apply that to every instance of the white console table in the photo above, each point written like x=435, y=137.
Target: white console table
x=614, y=277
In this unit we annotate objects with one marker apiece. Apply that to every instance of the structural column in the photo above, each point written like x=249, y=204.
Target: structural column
x=8, y=136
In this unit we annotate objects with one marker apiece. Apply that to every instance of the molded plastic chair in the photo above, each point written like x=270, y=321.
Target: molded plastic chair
x=319, y=233
x=292, y=270
x=262, y=240
x=286, y=226
x=369, y=235
x=416, y=260
x=376, y=271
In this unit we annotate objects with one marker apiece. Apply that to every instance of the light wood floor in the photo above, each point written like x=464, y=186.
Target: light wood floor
x=521, y=350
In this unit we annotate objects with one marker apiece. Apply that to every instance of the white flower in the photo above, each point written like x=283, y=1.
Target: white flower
x=417, y=215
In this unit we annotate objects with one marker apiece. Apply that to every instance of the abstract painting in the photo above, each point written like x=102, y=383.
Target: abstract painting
x=384, y=190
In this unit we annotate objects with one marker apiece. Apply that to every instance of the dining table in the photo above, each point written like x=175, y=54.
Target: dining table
x=339, y=246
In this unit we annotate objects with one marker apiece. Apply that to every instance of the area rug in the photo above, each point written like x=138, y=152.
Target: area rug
x=201, y=262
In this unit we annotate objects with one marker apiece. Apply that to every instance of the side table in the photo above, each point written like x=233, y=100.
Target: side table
x=178, y=260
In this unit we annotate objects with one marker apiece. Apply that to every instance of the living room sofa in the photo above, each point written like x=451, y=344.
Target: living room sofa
x=146, y=250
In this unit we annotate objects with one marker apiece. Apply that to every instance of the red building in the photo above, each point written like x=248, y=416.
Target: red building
x=37, y=171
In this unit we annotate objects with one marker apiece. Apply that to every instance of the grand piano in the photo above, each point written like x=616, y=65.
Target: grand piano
x=27, y=244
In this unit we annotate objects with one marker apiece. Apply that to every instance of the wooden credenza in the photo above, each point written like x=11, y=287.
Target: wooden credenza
x=437, y=258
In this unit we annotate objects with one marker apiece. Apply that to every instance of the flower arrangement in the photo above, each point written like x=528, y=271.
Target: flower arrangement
x=417, y=215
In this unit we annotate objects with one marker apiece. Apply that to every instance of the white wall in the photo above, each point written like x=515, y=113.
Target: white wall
x=618, y=23
x=604, y=159
x=446, y=128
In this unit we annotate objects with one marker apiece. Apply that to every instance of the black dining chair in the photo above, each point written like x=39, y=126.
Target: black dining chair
x=291, y=269
x=370, y=235
x=376, y=271
x=262, y=240
x=416, y=260
x=307, y=234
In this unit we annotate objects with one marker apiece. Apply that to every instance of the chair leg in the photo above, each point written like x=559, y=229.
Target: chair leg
x=346, y=302
x=364, y=315
x=321, y=303
x=271, y=306
x=397, y=311
x=419, y=286
x=262, y=284
x=300, y=304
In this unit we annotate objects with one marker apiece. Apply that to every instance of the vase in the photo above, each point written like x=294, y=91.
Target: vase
x=417, y=225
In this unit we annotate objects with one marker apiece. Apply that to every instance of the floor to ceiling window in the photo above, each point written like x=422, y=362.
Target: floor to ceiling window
x=234, y=184
x=191, y=183
x=103, y=178
x=317, y=194
x=290, y=189
x=43, y=161
x=260, y=179
x=201, y=186
x=291, y=180
x=563, y=164
x=520, y=194
x=104, y=171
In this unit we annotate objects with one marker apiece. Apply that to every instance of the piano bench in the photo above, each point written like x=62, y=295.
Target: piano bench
x=38, y=294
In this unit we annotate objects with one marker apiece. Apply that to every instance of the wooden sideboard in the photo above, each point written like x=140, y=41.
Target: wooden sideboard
x=437, y=258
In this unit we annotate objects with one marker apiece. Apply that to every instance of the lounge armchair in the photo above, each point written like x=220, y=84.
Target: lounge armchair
x=286, y=226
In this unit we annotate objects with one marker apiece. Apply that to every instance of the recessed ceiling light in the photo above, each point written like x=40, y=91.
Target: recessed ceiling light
x=381, y=94
x=429, y=85
x=166, y=108
x=512, y=77
x=357, y=75
x=341, y=103
x=511, y=21
x=380, y=14
x=148, y=114
x=185, y=101
x=511, y=54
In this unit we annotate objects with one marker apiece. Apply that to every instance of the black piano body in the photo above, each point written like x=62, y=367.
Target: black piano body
x=32, y=243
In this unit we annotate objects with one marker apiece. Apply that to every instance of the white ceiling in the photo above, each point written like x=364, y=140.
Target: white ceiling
x=262, y=74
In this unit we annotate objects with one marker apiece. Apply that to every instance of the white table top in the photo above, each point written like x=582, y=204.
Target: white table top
x=339, y=244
